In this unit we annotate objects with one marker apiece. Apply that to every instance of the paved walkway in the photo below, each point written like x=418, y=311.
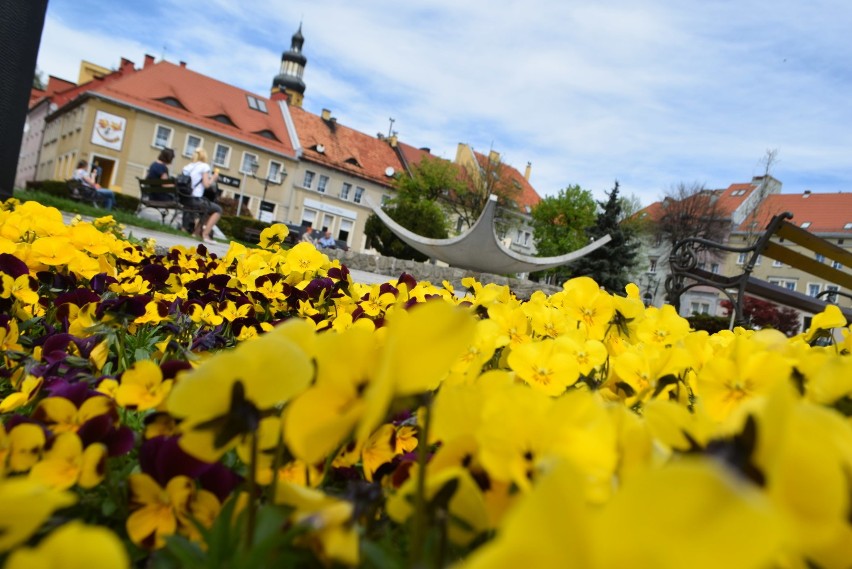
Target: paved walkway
x=220, y=247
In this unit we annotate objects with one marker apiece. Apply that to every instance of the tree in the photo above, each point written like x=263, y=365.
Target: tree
x=691, y=211
x=416, y=208
x=489, y=176
x=559, y=224
x=38, y=80
x=763, y=314
x=611, y=264
x=423, y=217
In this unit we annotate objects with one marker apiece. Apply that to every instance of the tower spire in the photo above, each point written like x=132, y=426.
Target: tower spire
x=289, y=79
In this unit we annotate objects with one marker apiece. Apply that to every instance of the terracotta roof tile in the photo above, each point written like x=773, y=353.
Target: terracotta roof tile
x=344, y=148
x=824, y=212
x=202, y=98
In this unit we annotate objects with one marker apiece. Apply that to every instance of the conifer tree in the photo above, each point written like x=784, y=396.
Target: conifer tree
x=610, y=265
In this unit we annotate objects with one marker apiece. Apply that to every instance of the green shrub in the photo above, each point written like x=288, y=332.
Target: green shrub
x=234, y=227
x=58, y=188
x=710, y=324
x=126, y=203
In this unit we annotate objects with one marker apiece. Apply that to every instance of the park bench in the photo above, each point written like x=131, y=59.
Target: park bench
x=686, y=273
x=165, y=197
x=80, y=192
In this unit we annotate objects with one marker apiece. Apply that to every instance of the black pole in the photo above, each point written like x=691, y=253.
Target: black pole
x=21, y=24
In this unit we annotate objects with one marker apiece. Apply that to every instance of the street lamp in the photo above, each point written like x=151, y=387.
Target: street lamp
x=254, y=166
x=651, y=285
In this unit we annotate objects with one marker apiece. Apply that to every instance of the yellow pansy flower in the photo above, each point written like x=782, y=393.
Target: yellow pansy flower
x=67, y=464
x=142, y=386
x=73, y=546
x=24, y=506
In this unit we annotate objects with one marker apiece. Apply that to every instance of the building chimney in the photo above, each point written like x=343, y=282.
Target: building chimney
x=126, y=65
x=528, y=171
x=279, y=96
x=426, y=149
x=493, y=156
x=326, y=115
x=149, y=60
x=393, y=140
x=183, y=64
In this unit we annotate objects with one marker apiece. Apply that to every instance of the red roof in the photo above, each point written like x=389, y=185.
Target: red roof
x=824, y=213
x=733, y=197
x=327, y=142
x=201, y=100
x=727, y=201
x=410, y=155
x=527, y=198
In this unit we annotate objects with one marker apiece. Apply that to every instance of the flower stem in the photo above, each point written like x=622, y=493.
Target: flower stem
x=419, y=524
x=252, y=505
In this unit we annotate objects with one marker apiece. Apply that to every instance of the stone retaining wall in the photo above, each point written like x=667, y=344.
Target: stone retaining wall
x=435, y=274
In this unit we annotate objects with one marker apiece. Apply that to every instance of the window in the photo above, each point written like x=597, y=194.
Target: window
x=309, y=179
x=247, y=161
x=526, y=238
x=460, y=222
x=344, y=190
x=741, y=259
x=359, y=193
x=327, y=222
x=162, y=136
x=832, y=297
x=192, y=143
x=322, y=183
x=652, y=266
x=813, y=289
x=819, y=258
x=836, y=265
x=785, y=283
x=847, y=225
x=345, y=230
x=699, y=307
x=757, y=261
x=221, y=155
x=776, y=263
x=256, y=104
x=308, y=217
x=274, y=173
x=267, y=211
x=805, y=224
x=714, y=268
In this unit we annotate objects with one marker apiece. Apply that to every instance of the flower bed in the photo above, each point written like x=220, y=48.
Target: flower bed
x=261, y=409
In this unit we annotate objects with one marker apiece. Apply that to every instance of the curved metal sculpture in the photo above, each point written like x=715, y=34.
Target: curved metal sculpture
x=478, y=249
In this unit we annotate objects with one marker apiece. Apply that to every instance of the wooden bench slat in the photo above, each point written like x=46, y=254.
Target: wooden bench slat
x=809, y=265
x=813, y=243
x=791, y=298
x=684, y=266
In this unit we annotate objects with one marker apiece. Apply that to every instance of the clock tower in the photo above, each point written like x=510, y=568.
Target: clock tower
x=289, y=79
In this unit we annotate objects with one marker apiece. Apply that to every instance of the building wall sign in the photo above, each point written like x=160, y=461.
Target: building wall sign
x=109, y=130
x=342, y=212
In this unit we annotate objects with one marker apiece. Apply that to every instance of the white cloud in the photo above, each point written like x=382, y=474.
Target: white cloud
x=648, y=92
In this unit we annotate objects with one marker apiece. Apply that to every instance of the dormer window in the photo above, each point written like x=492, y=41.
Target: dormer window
x=266, y=133
x=256, y=104
x=352, y=160
x=172, y=102
x=848, y=225
x=805, y=224
x=224, y=119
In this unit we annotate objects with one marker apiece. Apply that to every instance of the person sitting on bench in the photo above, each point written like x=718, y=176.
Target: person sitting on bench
x=82, y=175
x=202, y=179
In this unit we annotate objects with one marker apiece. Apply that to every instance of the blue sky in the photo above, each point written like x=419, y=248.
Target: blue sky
x=651, y=93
